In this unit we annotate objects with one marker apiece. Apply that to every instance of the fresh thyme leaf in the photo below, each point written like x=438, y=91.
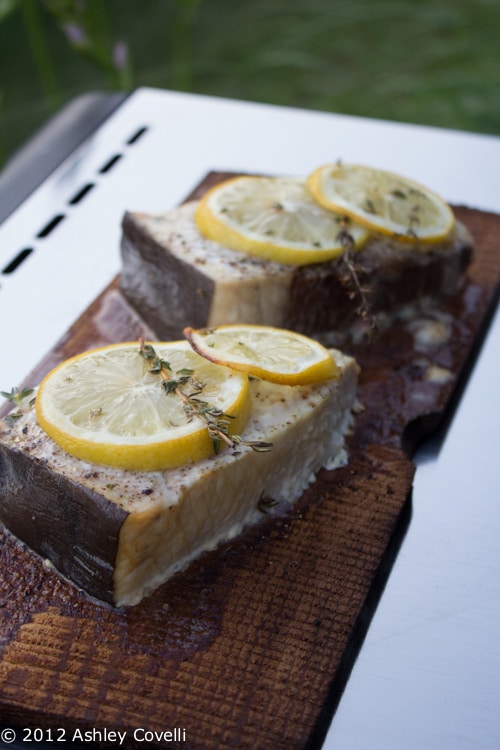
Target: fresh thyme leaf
x=169, y=386
x=146, y=351
x=15, y=396
x=266, y=503
x=259, y=446
x=13, y=417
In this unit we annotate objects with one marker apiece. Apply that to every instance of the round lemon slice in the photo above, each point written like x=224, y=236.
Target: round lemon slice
x=274, y=218
x=107, y=406
x=273, y=354
x=383, y=202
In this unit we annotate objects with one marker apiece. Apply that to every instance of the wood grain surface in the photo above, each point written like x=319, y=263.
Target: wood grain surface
x=252, y=645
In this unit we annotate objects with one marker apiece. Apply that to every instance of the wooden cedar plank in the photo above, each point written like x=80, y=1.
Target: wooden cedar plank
x=252, y=645
x=284, y=598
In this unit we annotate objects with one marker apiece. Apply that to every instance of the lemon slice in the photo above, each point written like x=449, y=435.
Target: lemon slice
x=107, y=407
x=383, y=202
x=274, y=218
x=273, y=354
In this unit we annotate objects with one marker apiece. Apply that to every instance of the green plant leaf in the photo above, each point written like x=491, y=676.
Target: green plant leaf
x=7, y=7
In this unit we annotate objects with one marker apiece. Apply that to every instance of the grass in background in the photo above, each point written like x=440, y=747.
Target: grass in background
x=429, y=61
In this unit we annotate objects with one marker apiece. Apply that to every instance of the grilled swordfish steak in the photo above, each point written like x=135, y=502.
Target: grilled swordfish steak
x=174, y=276
x=119, y=534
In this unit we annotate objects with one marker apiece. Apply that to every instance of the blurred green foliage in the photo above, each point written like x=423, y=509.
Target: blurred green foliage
x=424, y=61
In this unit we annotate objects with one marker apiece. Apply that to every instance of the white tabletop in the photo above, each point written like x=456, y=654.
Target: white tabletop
x=428, y=674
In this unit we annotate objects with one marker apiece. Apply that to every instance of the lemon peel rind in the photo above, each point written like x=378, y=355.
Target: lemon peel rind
x=315, y=182
x=324, y=369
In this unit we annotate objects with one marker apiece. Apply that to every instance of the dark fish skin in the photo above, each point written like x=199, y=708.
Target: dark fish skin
x=74, y=527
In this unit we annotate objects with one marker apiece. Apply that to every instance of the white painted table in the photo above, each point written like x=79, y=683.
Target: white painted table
x=428, y=674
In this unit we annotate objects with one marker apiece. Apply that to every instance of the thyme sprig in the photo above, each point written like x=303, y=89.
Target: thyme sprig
x=16, y=396
x=352, y=280
x=216, y=420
